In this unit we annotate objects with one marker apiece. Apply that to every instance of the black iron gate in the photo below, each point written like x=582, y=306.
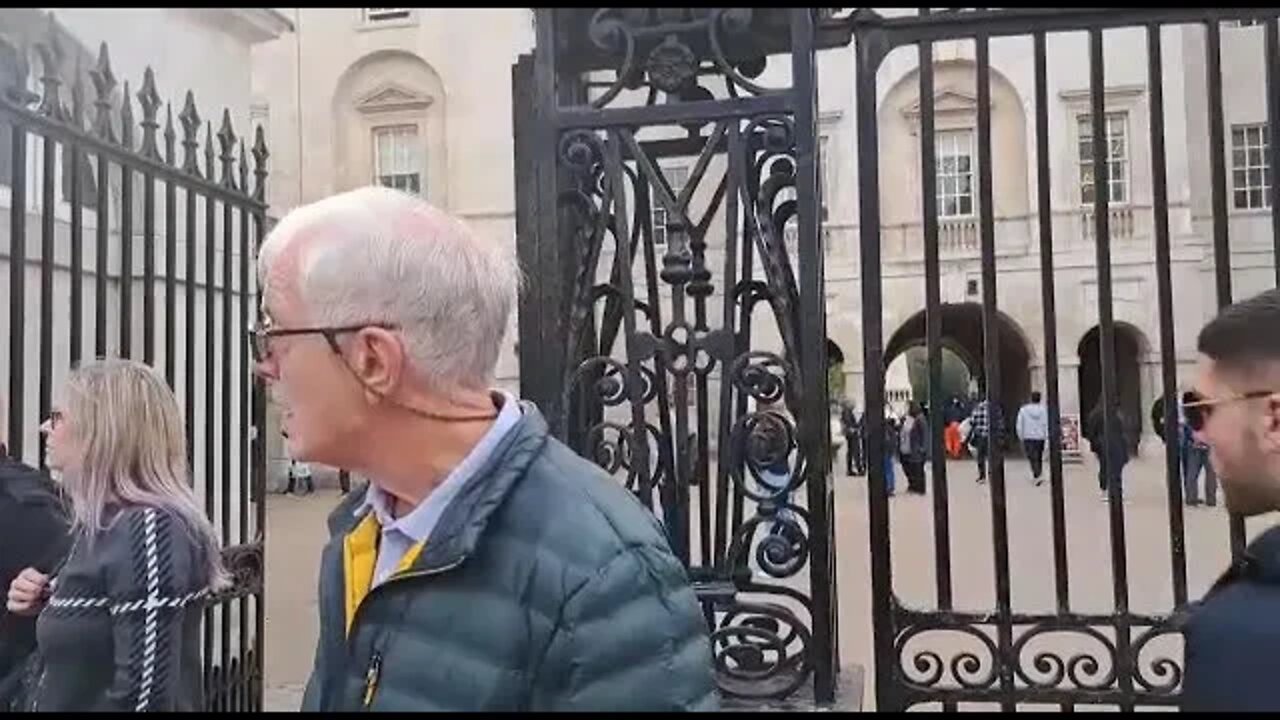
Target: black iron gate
x=641, y=336
x=92, y=198
x=655, y=365
x=1000, y=663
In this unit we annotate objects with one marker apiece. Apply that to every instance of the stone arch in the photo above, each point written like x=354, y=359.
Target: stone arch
x=962, y=333
x=384, y=89
x=1131, y=350
x=955, y=108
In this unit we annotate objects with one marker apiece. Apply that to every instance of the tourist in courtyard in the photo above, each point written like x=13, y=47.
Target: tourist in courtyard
x=119, y=627
x=487, y=566
x=34, y=532
x=891, y=430
x=1033, y=430
x=913, y=448
x=1194, y=454
x=851, y=427
x=1115, y=446
x=984, y=428
x=1231, y=635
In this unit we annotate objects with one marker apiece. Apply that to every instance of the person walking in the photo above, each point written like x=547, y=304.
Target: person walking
x=1231, y=634
x=487, y=566
x=913, y=447
x=1195, y=460
x=980, y=433
x=300, y=476
x=119, y=625
x=1033, y=431
x=891, y=435
x=855, y=463
x=1114, y=446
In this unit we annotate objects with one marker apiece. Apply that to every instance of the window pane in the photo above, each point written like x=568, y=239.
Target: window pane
x=962, y=163
x=1255, y=178
x=1238, y=158
x=1237, y=136
x=948, y=165
x=1086, y=150
x=1117, y=148
x=1119, y=192
x=1086, y=194
x=966, y=205
x=965, y=185
x=1255, y=198
x=1086, y=174
x=1241, y=199
x=1238, y=179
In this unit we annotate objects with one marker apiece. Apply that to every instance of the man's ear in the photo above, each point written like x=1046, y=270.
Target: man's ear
x=377, y=358
x=1271, y=424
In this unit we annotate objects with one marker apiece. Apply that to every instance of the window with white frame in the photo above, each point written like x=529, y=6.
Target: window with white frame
x=955, y=163
x=376, y=15
x=1250, y=170
x=1240, y=23
x=1117, y=148
x=677, y=176
x=397, y=158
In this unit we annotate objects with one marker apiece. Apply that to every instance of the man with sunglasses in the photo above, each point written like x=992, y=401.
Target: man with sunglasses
x=487, y=567
x=1232, y=635
x=34, y=533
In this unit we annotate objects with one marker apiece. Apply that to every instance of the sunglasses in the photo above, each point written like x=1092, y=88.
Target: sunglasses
x=260, y=337
x=1197, y=408
x=55, y=418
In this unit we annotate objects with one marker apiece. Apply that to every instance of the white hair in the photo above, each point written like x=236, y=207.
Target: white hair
x=380, y=255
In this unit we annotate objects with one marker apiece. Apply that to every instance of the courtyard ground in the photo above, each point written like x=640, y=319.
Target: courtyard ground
x=296, y=533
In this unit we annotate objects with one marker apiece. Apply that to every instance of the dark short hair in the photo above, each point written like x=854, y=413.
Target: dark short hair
x=1035, y=396
x=1245, y=334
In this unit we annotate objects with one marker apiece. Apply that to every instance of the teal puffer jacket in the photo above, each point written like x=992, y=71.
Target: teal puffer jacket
x=545, y=586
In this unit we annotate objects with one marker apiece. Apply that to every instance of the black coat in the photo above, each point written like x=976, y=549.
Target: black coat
x=1232, y=635
x=33, y=533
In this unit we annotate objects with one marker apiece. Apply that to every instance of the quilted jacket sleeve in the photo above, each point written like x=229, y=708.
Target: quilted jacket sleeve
x=632, y=638
x=149, y=574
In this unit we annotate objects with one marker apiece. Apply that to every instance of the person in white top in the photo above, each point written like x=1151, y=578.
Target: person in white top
x=1033, y=430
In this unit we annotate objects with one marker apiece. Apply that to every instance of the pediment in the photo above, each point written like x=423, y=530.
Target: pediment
x=945, y=102
x=393, y=96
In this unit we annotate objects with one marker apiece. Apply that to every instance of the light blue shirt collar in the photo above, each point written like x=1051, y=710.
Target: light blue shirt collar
x=422, y=520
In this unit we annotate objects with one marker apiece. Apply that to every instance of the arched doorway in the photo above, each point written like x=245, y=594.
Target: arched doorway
x=1130, y=348
x=962, y=337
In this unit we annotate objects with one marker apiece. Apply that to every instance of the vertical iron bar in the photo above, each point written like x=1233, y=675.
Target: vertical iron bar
x=210, y=418
x=148, y=268
x=815, y=434
x=189, y=334
x=1218, y=175
x=733, y=186
x=1048, y=302
x=1111, y=427
x=743, y=336
x=991, y=354
x=101, y=240
x=1272, y=67
x=228, y=240
x=77, y=254
x=933, y=323
x=17, y=285
x=126, y=260
x=48, y=203
x=1164, y=290
x=871, y=47
x=243, y=395
x=551, y=256
x=170, y=283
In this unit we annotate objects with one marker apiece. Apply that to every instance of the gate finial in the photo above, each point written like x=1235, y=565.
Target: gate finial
x=190, y=119
x=260, y=155
x=149, y=101
x=50, y=52
x=227, y=140
x=77, y=97
x=126, y=118
x=170, y=137
x=104, y=81
x=243, y=168
x=208, y=150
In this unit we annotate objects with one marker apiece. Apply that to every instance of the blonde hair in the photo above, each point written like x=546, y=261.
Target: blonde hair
x=128, y=431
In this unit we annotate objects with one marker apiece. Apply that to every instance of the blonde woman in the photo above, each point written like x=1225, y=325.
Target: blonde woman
x=119, y=626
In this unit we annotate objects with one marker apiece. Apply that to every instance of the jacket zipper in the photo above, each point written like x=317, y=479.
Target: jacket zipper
x=373, y=670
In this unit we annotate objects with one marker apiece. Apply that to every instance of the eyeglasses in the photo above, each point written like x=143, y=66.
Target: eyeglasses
x=1197, y=408
x=55, y=418
x=260, y=337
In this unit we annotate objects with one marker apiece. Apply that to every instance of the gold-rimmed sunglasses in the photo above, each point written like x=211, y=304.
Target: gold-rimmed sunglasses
x=1196, y=408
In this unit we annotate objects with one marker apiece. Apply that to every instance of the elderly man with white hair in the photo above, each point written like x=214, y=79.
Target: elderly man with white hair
x=487, y=567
